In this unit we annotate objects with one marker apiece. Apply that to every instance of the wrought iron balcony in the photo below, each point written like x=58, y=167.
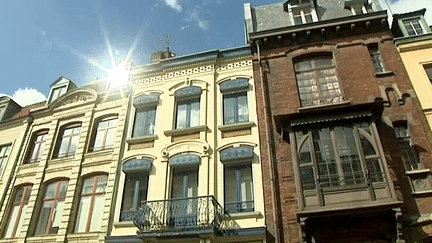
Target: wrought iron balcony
x=182, y=213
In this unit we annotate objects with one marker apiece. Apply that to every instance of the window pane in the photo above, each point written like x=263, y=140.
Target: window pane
x=110, y=138
x=325, y=157
x=101, y=184
x=81, y=221
x=181, y=115
x=43, y=218
x=99, y=140
x=63, y=147
x=246, y=184
x=374, y=169
x=368, y=148
x=12, y=220
x=243, y=113
x=230, y=186
x=21, y=219
x=307, y=178
x=195, y=114
x=229, y=110
x=138, y=129
x=58, y=213
x=128, y=194
x=97, y=213
x=88, y=186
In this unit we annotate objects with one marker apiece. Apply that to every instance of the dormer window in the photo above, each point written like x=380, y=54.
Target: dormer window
x=413, y=26
x=358, y=7
x=301, y=11
x=59, y=88
x=57, y=92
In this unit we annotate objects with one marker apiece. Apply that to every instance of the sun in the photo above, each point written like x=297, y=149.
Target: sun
x=118, y=76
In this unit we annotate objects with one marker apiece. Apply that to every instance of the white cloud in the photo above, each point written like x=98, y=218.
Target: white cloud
x=174, y=4
x=405, y=6
x=28, y=96
x=203, y=24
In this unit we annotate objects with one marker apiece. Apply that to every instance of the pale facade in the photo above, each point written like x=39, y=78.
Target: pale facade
x=63, y=165
x=191, y=163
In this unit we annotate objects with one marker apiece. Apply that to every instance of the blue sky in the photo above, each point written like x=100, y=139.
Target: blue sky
x=43, y=40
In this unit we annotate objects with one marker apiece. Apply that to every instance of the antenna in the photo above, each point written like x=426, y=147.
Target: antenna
x=167, y=40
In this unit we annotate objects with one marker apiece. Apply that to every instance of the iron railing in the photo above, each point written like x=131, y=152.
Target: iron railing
x=178, y=213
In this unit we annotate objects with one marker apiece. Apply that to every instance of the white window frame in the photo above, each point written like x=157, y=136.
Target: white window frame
x=301, y=7
x=412, y=26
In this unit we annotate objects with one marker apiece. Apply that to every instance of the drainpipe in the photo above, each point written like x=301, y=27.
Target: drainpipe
x=275, y=208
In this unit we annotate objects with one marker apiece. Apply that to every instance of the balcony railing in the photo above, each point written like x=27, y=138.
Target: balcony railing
x=178, y=213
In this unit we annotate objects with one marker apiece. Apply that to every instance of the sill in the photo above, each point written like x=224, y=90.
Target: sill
x=236, y=126
x=143, y=139
x=417, y=172
x=345, y=188
x=384, y=74
x=245, y=215
x=185, y=131
x=124, y=224
x=88, y=235
x=422, y=193
x=58, y=159
x=319, y=107
x=30, y=165
x=44, y=238
x=99, y=152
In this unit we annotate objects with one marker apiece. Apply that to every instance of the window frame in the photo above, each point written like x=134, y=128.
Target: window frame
x=38, y=146
x=70, y=138
x=241, y=205
x=105, y=132
x=90, y=213
x=376, y=58
x=136, y=197
x=371, y=165
x=235, y=106
x=5, y=150
x=413, y=28
x=299, y=9
x=55, y=200
x=409, y=154
x=25, y=198
x=62, y=89
x=189, y=102
x=428, y=70
x=146, y=110
x=315, y=96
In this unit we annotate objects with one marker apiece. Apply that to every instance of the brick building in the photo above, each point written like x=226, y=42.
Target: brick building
x=341, y=130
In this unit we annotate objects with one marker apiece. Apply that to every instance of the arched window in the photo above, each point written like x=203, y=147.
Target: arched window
x=188, y=107
x=37, y=147
x=68, y=141
x=52, y=208
x=317, y=81
x=17, y=211
x=334, y=156
x=104, y=134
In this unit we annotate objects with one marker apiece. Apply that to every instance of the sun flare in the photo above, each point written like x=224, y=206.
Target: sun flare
x=118, y=76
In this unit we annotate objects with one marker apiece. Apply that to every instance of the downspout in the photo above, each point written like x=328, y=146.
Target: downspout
x=269, y=150
x=12, y=177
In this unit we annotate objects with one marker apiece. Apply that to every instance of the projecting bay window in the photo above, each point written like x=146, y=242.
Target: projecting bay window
x=336, y=156
x=17, y=211
x=52, y=208
x=413, y=26
x=135, y=187
x=188, y=107
x=317, y=81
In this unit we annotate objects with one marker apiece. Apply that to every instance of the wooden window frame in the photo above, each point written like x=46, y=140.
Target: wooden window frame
x=4, y=155
x=38, y=146
x=21, y=203
x=411, y=23
x=105, y=132
x=69, y=138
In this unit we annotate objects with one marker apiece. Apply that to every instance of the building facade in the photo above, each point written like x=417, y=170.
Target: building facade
x=191, y=162
x=343, y=139
x=413, y=40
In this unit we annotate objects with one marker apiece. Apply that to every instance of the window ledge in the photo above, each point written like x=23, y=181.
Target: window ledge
x=143, y=139
x=61, y=159
x=42, y=238
x=185, y=131
x=31, y=165
x=422, y=193
x=416, y=172
x=99, y=152
x=318, y=107
x=124, y=224
x=91, y=235
x=236, y=126
x=384, y=74
x=244, y=215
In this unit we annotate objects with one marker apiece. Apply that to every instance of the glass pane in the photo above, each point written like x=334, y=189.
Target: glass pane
x=63, y=147
x=102, y=125
x=150, y=122
x=58, y=213
x=82, y=216
x=181, y=116
x=50, y=192
x=139, y=121
x=305, y=156
x=304, y=65
x=97, y=213
x=43, y=218
x=325, y=157
x=177, y=186
x=128, y=194
x=374, y=169
x=99, y=140
x=192, y=190
x=19, y=194
x=410, y=155
x=63, y=189
x=195, y=114
x=229, y=116
x=307, y=178
x=73, y=145
x=101, y=184
x=246, y=184
x=368, y=148
x=230, y=185
x=21, y=219
x=417, y=27
x=88, y=186
x=243, y=113
x=110, y=138
x=12, y=220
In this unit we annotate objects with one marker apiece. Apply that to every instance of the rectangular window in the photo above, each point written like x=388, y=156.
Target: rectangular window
x=4, y=153
x=428, y=69
x=91, y=205
x=303, y=16
x=188, y=113
x=105, y=134
x=68, y=141
x=37, y=147
x=238, y=188
x=235, y=108
x=376, y=58
x=17, y=211
x=52, y=208
x=135, y=191
x=413, y=27
x=409, y=154
x=144, y=123
x=57, y=92
x=317, y=81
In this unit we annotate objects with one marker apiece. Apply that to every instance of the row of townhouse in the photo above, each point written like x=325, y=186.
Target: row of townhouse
x=312, y=133
x=174, y=156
